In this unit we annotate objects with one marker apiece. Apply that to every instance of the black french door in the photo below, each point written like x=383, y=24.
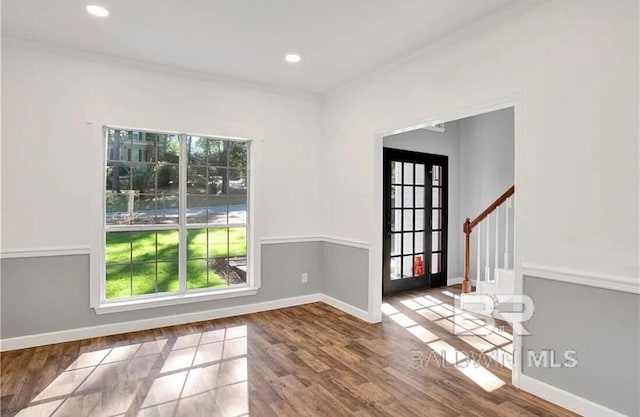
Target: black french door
x=415, y=227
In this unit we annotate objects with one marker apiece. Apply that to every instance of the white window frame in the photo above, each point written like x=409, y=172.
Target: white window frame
x=98, y=300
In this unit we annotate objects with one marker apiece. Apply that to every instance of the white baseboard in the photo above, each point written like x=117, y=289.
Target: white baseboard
x=565, y=399
x=347, y=308
x=153, y=323
x=156, y=322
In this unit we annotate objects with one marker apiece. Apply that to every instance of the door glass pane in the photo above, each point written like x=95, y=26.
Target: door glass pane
x=435, y=263
x=419, y=200
x=407, y=223
x=408, y=197
x=436, y=241
x=396, y=238
x=396, y=220
x=419, y=221
x=436, y=219
x=418, y=265
x=396, y=173
x=419, y=174
x=396, y=196
x=396, y=268
x=436, y=175
x=407, y=243
x=419, y=242
x=407, y=266
x=436, y=198
x=408, y=173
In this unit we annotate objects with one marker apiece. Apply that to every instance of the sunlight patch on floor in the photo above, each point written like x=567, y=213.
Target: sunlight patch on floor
x=207, y=370
x=476, y=332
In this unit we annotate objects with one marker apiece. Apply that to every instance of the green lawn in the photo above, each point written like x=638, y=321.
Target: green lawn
x=138, y=262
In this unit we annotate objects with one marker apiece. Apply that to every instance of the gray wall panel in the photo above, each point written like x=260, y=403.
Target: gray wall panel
x=602, y=326
x=48, y=294
x=346, y=274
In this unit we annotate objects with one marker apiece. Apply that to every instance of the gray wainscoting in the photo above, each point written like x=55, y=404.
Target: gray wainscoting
x=602, y=326
x=346, y=274
x=48, y=294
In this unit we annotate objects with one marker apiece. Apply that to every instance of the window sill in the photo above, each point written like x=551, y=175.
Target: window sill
x=174, y=299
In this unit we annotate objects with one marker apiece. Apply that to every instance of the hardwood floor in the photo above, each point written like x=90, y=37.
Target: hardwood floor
x=311, y=360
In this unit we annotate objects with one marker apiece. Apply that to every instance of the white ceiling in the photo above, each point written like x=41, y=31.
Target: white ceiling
x=247, y=39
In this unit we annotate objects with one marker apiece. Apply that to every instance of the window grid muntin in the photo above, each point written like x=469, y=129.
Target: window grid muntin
x=437, y=185
x=181, y=226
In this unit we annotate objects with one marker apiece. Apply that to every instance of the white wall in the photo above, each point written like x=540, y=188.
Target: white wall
x=486, y=159
x=571, y=67
x=440, y=143
x=52, y=164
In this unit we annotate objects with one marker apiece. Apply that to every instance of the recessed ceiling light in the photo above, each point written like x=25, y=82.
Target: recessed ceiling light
x=293, y=58
x=97, y=10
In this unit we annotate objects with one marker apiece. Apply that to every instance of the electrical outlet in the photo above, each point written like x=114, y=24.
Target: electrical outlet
x=305, y=277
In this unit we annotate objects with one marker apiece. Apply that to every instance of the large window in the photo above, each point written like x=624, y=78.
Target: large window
x=175, y=214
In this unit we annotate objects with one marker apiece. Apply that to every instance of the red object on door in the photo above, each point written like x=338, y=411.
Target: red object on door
x=418, y=266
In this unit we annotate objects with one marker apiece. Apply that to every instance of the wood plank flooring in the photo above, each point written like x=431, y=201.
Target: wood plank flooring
x=311, y=360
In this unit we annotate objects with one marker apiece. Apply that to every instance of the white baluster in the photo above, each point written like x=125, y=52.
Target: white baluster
x=487, y=268
x=478, y=259
x=506, y=234
x=496, y=261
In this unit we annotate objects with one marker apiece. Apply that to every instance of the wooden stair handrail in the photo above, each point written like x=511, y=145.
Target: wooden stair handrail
x=473, y=223
x=468, y=227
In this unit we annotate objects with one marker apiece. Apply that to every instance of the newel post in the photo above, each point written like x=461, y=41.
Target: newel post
x=466, y=284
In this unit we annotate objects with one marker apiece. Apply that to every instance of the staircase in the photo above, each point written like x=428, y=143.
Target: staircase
x=493, y=235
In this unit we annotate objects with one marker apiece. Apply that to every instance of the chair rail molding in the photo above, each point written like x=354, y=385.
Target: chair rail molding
x=305, y=239
x=591, y=279
x=44, y=252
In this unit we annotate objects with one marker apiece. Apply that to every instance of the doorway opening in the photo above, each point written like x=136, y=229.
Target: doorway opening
x=469, y=202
